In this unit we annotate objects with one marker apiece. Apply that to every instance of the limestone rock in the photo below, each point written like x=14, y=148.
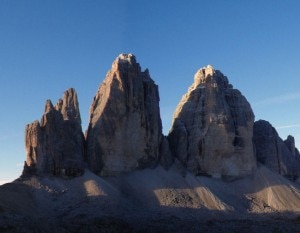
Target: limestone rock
x=278, y=155
x=266, y=141
x=212, y=128
x=290, y=143
x=125, y=128
x=55, y=145
x=166, y=156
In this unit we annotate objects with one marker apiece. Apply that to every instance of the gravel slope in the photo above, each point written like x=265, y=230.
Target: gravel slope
x=156, y=198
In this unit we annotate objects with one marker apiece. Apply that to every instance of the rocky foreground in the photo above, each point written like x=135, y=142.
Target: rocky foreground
x=218, y=170
x=151, y=200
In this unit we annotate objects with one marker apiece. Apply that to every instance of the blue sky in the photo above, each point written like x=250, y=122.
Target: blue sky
x=49, y=46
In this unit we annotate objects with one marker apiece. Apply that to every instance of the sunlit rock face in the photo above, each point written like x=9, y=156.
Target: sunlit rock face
x=213, y=127
x=125, y=130
x=278, y=155
x=55, y=145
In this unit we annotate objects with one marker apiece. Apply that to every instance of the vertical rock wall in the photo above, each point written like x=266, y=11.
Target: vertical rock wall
x=212, y=128
x=278, y=155
x=211, y=134
x=55, y=145
x=125, y=129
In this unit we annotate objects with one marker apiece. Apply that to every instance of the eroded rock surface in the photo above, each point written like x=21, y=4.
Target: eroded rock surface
x=55, y=145
x=213, y=127
x=125, y=129
x=278, y=155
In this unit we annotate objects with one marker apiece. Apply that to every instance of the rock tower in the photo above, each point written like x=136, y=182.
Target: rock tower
x=212, y=128
x=125, y=130
x=55, y=145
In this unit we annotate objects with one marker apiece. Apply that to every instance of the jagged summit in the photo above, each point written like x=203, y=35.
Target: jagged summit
x=125, y=57
x=48, y=106
x=69, y=106
x=123, y=61
x=208, y=76
x=55, y=145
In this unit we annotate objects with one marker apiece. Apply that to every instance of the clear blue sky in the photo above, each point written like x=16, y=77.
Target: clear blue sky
x=48, y=46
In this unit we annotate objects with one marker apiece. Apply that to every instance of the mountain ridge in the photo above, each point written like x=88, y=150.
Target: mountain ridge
x=217, y=167
x=125, y=129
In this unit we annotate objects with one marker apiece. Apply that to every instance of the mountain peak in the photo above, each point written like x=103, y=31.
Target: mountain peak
x=211, y=111
x=48, y=106
x=55, y=146
x=125, y=126
x=209, y=77
x=125, y=58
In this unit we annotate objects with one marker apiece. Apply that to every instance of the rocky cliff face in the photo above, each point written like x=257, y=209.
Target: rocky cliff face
x=211, y=134
x=278, y=155
x=212, y=128
x=125, y=129
x=55, y=145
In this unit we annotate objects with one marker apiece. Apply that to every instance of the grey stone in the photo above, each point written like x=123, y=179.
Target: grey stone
x=166, y=156
x=212, y=128
x=55, y=145
x=125, y=130
x=278, y=155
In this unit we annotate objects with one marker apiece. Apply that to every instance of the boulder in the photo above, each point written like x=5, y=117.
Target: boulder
x=55, y=145
x=125, y=130
x=212, y=128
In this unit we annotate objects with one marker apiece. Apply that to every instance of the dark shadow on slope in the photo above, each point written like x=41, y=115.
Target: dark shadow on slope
x=144, y=201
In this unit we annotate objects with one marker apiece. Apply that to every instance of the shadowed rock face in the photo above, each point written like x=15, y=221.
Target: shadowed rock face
x=278, y=155
x=55, y=145
x=212, y=128
x=125, y=129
